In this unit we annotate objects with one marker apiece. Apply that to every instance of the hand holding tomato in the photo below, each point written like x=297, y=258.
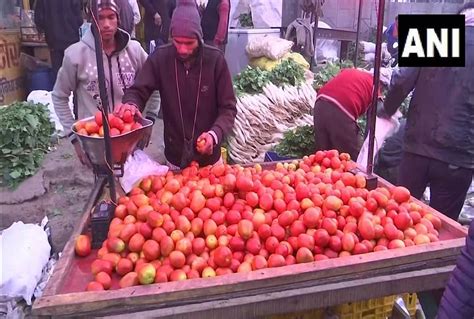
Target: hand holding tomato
x=205, y=144
x=127, y=111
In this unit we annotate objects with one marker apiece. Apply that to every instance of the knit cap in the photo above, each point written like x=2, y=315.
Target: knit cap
x=108, y=4
x=186, y=21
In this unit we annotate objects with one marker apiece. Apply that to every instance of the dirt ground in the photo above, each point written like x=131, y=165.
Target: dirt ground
x=59, y=190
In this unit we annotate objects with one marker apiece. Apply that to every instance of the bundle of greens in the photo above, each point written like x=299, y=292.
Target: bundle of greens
x=297, y=143
x=245, y=20
x=25, y=137
x=252, y=80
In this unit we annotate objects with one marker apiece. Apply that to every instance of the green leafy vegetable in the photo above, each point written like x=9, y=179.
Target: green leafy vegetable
x=245, y=20
x=25, y=137
x=287, y=72
x=297, y=143
x=252, y=80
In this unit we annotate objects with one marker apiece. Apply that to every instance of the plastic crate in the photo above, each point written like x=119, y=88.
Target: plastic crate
x=274, y=157
x=377, y=308
x=411, y=301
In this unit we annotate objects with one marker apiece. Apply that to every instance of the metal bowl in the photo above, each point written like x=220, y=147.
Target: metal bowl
x=122, y=145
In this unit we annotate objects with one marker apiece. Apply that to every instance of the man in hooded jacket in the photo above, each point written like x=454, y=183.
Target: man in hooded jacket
x=123, y=59
x=197, y=96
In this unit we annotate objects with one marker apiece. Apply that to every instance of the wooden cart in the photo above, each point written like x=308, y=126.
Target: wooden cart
x=289, y=289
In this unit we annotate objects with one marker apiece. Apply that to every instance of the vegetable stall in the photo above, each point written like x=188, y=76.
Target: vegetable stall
x=370, y=261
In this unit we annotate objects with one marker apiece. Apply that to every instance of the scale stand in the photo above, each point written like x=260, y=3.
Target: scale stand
x=103, y=171
x=103, y=212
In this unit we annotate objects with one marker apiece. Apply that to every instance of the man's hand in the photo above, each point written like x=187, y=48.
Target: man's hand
x=81, y=155
x=120, y=109
x=157, y=19
x=205, y=144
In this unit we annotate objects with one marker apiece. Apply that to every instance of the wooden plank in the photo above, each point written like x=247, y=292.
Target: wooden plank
x=411, y=258
x=64, y=263
x=306, y=299
x=292, y=300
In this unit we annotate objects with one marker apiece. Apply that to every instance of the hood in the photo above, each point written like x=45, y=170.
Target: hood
x=122, y=38
x=186, y=21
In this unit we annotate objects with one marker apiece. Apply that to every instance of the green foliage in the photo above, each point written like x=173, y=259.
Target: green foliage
x=297, y=143
x=287, y=72
x=25, y=137
x=329, y=71
x=245, y=20
x=252, y=80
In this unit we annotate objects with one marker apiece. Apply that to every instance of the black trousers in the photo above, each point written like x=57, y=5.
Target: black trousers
x=333, y=129
x=448, y=184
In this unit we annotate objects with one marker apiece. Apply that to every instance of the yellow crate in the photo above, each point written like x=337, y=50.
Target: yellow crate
x=410, y=301
x=378, y=308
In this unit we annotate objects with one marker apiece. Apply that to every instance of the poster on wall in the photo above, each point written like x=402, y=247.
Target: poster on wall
x=11, y=77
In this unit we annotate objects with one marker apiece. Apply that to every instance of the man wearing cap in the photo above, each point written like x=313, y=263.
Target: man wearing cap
x=339, y=104
x=123, y=58
x=197, y=96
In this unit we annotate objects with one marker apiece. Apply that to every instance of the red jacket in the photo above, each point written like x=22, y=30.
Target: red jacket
x=351, y=90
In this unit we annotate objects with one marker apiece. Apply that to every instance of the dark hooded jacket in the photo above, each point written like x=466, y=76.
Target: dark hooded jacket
x=164, y=72
x=440, y=121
